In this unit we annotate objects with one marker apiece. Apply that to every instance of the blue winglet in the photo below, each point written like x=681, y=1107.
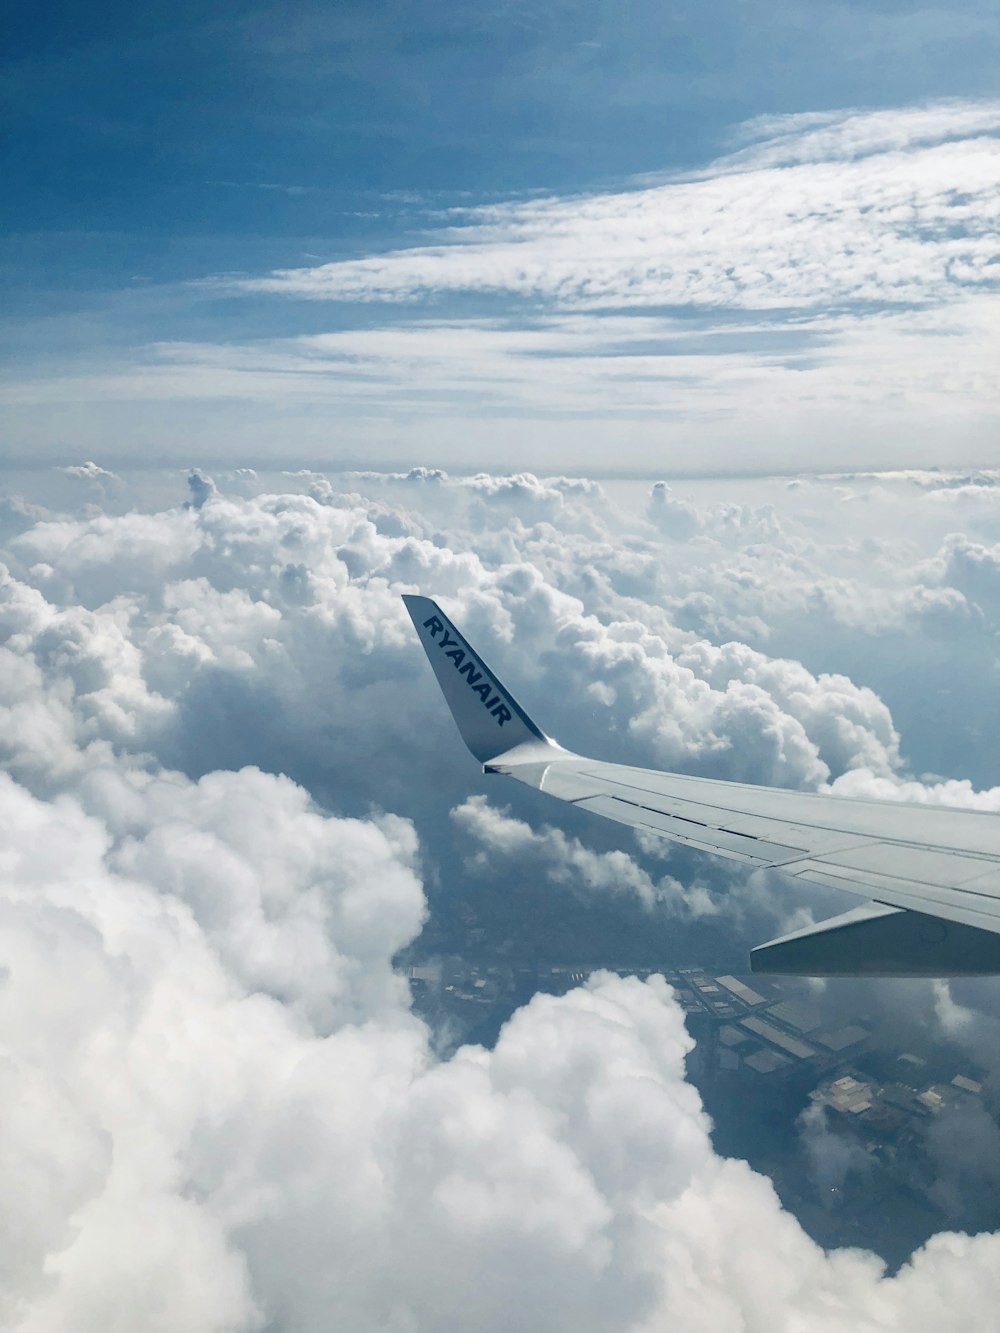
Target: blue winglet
x=489, y=718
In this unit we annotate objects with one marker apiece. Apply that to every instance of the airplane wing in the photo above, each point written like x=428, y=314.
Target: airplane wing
x=931, y=874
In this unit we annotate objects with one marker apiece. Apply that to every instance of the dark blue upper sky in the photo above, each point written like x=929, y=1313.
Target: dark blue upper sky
x=165, y=124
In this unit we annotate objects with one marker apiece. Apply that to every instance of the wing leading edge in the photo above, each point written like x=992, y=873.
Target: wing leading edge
x=933, y=872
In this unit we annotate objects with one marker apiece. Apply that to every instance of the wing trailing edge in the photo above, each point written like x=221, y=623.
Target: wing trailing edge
x=881, y=941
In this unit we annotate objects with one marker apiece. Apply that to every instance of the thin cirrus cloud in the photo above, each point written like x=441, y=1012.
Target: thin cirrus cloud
x=879, y=208
x=604, y=368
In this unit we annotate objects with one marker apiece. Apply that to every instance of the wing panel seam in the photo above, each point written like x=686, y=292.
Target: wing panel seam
x=887, y=839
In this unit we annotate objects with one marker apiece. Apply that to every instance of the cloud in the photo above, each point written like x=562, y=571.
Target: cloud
x=268, y=600
x=820, y=136
x=202, y=488
x=675, y=517
x=299, y=906
x=958, y=792
x=90, y=472
x=224, y=1108
x=291, y=1177
x=882, y=207
x=548, y=852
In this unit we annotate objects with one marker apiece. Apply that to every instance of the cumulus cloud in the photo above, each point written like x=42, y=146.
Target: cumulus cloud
x=219, y=1106
x=202, y=488
x=302, y=907
x=959, y=792
x=548, y=852
x=90, y=471
x=291, y=1176
x=675, y=517
x=269, y=599
x=973, y=568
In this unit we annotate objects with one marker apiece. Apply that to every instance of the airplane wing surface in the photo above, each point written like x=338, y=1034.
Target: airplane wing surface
x=931, y=874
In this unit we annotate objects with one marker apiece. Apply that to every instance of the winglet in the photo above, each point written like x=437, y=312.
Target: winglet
x=489, y=718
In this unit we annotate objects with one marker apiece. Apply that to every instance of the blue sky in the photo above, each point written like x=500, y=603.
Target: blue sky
x=156, y=155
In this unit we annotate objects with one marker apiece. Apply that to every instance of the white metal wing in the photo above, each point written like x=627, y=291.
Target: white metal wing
x=932, y=874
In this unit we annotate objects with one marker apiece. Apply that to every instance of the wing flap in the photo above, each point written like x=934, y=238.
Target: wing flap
x=691, y=832
x=909, y=862
x=738, y=806
x=880, y=941
x=941, y=861
x=954, y=904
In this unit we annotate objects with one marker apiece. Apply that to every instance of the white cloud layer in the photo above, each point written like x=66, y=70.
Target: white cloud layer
x=220, y=1112
x=198, y=1159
